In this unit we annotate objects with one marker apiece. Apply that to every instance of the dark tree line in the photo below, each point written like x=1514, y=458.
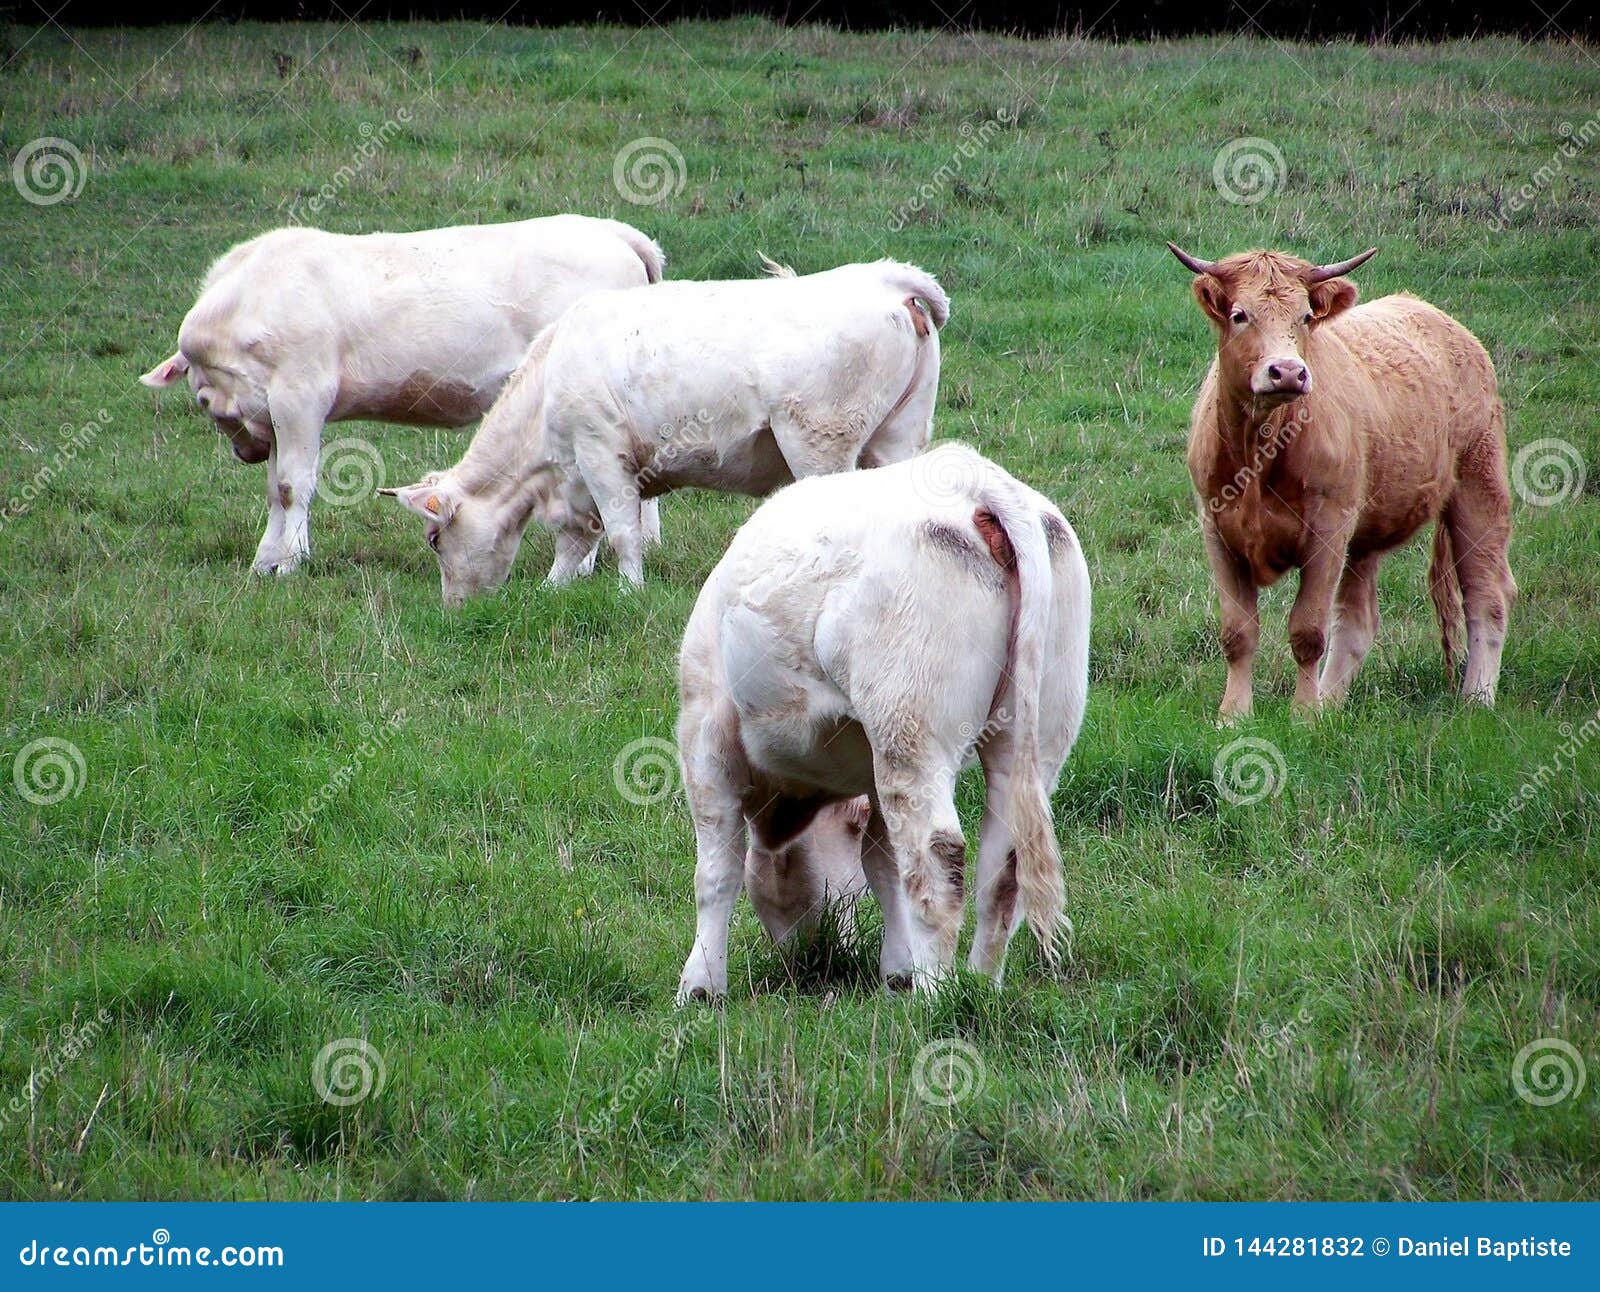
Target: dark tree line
x=1109, y=19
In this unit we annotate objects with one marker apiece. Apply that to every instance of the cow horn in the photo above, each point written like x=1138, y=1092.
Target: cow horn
x=1193, y=263
x=1324, y=272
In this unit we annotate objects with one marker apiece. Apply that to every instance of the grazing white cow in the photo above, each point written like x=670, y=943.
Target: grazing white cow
x=818, y=871
x=871, y=633
x=299, y=327
x=739, y=386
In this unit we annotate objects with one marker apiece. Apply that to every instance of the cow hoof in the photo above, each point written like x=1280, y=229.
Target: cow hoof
x=278, y=566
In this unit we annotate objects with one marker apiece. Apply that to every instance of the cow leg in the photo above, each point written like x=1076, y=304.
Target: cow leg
x=1313, y=608
x=816, y=447
x=615, y=490
x=1355, y=627
x=930, y=853
x=1241, y=624
x=272, y=540
x=1479, y=517
x=650, y=521
x=883, y=877
x=718, y=879
x=576, y=551
x=997, y=887
x=292, y=479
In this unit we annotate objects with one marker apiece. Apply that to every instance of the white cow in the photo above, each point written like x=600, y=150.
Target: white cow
x=298, y=327
x=872, y=633
x=739, y=386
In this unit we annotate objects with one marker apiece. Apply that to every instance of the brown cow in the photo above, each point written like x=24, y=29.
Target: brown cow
x=1327, y=434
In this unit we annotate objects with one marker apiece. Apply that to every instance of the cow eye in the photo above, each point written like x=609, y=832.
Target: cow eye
x=1309, y=316
x=433, y=539
x=1239, y=316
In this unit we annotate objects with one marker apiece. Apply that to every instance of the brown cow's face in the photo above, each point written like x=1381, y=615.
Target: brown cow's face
x=1264, y=309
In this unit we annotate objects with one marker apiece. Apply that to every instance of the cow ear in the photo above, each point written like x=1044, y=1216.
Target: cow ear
x=1213, y=297
x=166, y=372
x=433, y=501
x=1332, y=298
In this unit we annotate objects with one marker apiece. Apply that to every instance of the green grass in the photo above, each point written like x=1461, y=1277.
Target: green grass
x=1318, y=995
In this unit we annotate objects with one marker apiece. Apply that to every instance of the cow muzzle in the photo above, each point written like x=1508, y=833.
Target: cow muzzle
x=1281, y=378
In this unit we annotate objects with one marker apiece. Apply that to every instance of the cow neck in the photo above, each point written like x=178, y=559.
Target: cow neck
x=507, y=465
x=1251, y=434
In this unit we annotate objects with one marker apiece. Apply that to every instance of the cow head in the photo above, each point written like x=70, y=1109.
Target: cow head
x=1264, y=306
x=243, y=421
x=475, y=548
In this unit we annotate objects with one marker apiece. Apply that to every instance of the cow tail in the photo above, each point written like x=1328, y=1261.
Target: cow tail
x=920, y=284
x=1444, y=586
x=647, y=249
x=1032, y=585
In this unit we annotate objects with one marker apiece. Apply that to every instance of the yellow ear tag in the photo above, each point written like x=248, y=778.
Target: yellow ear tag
x=432, y=506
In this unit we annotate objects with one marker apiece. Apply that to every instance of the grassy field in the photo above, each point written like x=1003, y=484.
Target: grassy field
x=1322, y=993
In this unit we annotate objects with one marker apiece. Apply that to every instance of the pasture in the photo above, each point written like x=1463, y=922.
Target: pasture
x=318, y=810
